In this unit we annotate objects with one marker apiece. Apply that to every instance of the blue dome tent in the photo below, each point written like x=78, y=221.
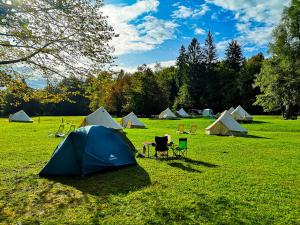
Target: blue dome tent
x=88, y=150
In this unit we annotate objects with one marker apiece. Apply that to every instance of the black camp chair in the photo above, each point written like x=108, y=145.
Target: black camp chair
x=161, y=145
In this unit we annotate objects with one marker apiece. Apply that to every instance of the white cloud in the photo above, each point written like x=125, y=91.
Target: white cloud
x=266, y=13
x=132, y=69
x=184, y=12
x=145, y=36
x=199, y=31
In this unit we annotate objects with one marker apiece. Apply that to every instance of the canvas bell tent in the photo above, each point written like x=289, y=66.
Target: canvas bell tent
x=230, y=110
x=182, y=113
x=207, y=112
x=101, y=117
x=167, y=114
x=227, y=126
x=88, y=150
x=20, y=116
x=240, y=114
x=131, y=120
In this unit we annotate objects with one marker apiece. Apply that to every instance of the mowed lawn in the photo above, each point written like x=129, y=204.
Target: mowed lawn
x=225, y=180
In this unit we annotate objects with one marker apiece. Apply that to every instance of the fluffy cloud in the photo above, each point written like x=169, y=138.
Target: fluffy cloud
x=145, y=36
x=256, y=18
x=199, y=31
x=184, y=12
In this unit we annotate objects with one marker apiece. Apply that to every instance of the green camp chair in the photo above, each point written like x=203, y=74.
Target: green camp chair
x=181, y=149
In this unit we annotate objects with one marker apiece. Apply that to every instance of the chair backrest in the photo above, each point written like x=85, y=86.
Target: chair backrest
x=161, y=143
x=181, y=127
x=193, y=129
x=61, y=128
x=183, y=143
x=129, y=124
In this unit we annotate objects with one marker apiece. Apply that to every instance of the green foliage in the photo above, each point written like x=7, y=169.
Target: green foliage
x=225, y=180
x=55, y=37
x=279, y=80
x=146, y=96
x=234, y=56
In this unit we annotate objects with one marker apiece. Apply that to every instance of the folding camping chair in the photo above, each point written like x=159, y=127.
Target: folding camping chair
x=181, y=149
x=193, y=129
x=71, y=128
x=60, y=131
x=161, y=145
x=180, y=129
x=129, y=124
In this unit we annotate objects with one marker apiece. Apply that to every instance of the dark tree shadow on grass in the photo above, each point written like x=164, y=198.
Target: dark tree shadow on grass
x=183, y=167
x=254, y=136
x=120, y=181
x=257, y=122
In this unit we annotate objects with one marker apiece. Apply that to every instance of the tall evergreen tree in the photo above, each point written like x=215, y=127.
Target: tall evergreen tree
x=196, y=72
x=234, y=56
x=210, y=52
x=181, y=76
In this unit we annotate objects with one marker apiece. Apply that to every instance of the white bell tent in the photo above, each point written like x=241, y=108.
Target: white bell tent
x=182, y=113
x=103, y=118
x=20, y=116
x=240, y=114
x=167, y=114
x=133, y=120
x=207, y=112
x=227, y=126
x=230, y=110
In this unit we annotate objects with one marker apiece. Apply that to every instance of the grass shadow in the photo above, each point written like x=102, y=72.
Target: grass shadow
x=183, y=167
x=187, y=160
x=120, y=181
x=257, y=122
x=254, y=136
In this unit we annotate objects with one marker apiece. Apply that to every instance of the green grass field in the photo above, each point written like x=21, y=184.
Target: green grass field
x=225, y=180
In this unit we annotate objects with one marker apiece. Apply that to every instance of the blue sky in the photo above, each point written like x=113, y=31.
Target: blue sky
x=152, y=30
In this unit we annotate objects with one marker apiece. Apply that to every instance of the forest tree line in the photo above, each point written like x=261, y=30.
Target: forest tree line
x=198, y=80
x=33, y=40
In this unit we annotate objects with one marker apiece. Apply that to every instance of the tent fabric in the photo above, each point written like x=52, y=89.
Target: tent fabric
x=135, y=122
x=226, y=125
x=230, y=110
x=167, y=114
x=240, y=114
x=103, y=118
x=20, y=116
x=181, y=112
x=207, y=112
x=88, y=150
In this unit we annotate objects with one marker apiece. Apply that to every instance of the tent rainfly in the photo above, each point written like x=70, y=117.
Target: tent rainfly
x=101, y=117
x=207, y=112
x=88, y=150
x=230, y=110
x=239, y=114
x=181, y=112
x=133, y=119
x=225, y=125
x=167, y=114
x=20, y=116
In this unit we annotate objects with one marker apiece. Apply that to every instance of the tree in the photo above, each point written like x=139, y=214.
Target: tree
x=248, y=90
x=181, y=76
x=233, y=56
x=145, y=96
x=196, y=70
x=279, y=80
x=210, y=52
x=183, y=99
x=56, y=37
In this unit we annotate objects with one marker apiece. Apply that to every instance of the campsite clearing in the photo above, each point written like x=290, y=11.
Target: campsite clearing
x=228, y=180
